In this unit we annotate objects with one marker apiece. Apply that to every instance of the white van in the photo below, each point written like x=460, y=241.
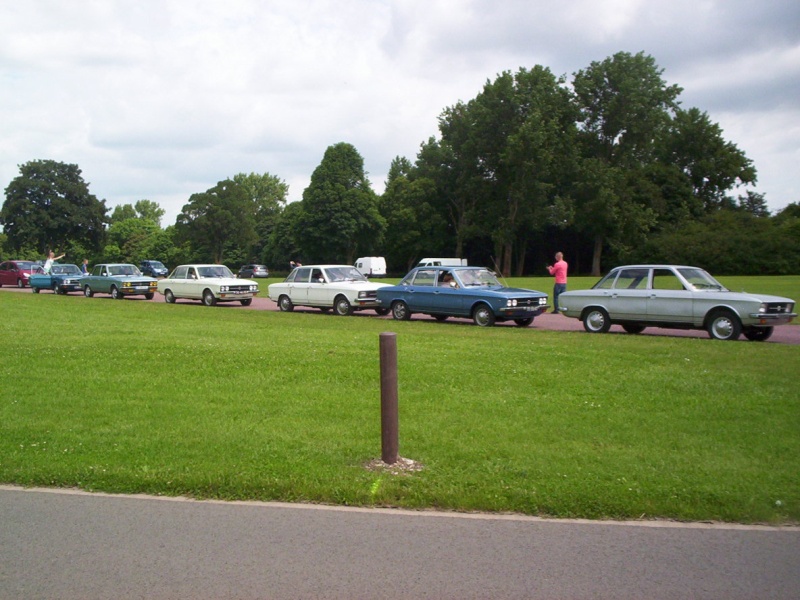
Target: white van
x=371, y=266
x=442, y=262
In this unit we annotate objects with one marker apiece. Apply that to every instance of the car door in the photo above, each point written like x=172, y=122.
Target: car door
x=669, y=300
x=448, y=297
x=420, y=295
x=629, y=297
x=318, y=291
x=4, y=274
x=178, y=282
x=298, y=287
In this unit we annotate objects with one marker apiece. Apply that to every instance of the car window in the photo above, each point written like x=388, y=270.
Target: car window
x=345, y=274
x=701, y=280
x=425, y=277
x=607, y=282
x=632, y=279
x=316, y=276
x=664, y=279
x=179, y=273
x=302, y=275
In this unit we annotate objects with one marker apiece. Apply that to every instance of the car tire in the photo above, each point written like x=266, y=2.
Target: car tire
x=523, y=322
x=381, y=312
x=285, y=304
x=483, y=316
x=246, y=301
x=149, y=296
x=87, y=291
x=208, y=298
x=400, y=311
x=341, y=306
x=115, y=293
x=758, y=334
x=169, y=297
x=596, y=320
x=20, y=283
x=35, y=290
x=724, y=325
x=440, y=318
x=633, y=328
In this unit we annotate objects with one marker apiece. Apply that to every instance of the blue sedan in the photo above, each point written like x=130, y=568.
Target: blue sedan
x=471, y=292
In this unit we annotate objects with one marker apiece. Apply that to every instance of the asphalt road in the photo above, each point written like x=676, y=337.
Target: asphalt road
x=784, y=334
x=67, y=544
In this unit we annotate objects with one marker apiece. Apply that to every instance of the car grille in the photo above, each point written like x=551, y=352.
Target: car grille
x=779, y=308
x=528, y=302
x=239, y=288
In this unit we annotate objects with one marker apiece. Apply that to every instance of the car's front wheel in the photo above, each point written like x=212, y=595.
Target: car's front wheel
x=246, y=301
x=87, y=291
x=483, y=316
x=758, y=334
x=35, y=290
x=285, y=304
x=169, y=297
x=342, y=306
x=208, y=298
x=115, y=293
x=724, y=325
x=400, y=311
x=523, y=322
x=149, y=295
x=596, y=321
x=20, y=283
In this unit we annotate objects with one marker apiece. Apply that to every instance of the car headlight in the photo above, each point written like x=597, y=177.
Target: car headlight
x=511, y=302
x=543, y=300
x=762, y=308
x=362, y=294
x=253, y=288
x=223, y=288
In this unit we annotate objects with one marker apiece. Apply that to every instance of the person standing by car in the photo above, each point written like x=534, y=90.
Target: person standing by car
x=51, y=258
x=85, y=267
x=559, y=272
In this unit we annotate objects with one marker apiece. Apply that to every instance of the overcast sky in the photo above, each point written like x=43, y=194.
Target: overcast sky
x=160, y=99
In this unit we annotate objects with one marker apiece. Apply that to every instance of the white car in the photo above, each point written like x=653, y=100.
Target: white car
x=209, y=283
x=340, y=287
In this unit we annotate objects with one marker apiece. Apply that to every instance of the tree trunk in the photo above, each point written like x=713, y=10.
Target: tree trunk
x=598, y=251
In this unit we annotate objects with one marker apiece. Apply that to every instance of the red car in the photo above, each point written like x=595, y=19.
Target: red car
x=16, y=272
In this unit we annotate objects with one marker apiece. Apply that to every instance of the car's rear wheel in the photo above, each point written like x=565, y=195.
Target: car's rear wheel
x=115, y=293
x=208, y=298
x=246, y=301
x=285, y=304
x=342, y=306
x=87, y=291
x=523, y=322
x=631, y=328
x=169, y=297
x=35, y=290
x=483, y=316
x=596, y=321
x=724, y=325
x=400, y=311
x=382, y=311
x=20, y=283
x=758, y=334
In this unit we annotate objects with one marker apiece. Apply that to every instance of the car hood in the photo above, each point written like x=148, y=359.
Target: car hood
x=717, y=294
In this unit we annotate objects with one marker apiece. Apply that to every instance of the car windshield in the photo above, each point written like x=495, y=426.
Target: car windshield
x=24, y=264
x=215, y=271
x=65, y=270
x=124, y=270
x=701, y=280
x=477, y=277
x=345, y=274
x=157, y=265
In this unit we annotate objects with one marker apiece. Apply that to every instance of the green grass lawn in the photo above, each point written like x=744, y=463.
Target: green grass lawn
x=132, y=396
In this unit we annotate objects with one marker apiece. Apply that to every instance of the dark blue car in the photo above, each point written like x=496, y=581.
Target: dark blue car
x=471, y=292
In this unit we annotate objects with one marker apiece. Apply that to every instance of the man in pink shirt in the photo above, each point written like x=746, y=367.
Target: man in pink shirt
x=559, y=271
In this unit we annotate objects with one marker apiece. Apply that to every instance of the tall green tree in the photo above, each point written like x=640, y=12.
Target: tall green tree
x=340, y=216
x=625, y=107
x=219, y=224
x=268, y=194
x=49, y=207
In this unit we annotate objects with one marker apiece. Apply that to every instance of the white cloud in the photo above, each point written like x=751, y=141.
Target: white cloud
x=160, y=99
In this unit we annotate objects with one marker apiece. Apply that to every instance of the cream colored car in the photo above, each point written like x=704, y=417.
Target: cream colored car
x=208, y=283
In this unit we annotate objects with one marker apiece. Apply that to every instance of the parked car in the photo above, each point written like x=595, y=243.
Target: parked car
x=61, y=279
x=153, y=268
x=253, y=272
x=676, y=297
x=16, y=272
x=443, y=262
x=471, y=292
x=340, y=287
x=119, y=280
x=208, y=283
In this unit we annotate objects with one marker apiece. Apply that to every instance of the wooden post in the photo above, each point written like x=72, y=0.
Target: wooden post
x=389, y=415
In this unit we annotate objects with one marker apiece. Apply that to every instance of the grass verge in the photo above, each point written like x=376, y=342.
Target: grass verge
x=130, y=396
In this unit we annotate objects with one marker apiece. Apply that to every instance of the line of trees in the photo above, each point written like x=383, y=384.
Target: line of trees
x=608, y=168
